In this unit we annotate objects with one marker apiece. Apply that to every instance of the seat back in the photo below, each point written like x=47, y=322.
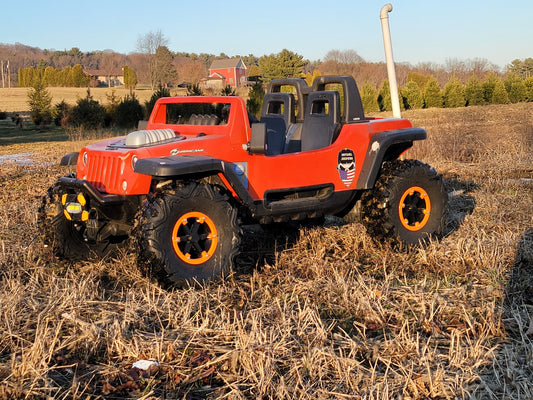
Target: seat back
x=277, y=114
x=322, y=120
x=353, y=106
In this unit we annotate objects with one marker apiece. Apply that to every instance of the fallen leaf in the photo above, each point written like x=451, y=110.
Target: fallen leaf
x=108, y=388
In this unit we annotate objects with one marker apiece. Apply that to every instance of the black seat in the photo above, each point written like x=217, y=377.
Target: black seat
x=277, y=114
x=353, y=106
x=322, y=120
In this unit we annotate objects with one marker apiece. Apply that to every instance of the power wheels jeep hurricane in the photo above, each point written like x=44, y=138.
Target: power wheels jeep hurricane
x=203, y=167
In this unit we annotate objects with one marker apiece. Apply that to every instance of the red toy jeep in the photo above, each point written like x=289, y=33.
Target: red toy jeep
x=203, y=167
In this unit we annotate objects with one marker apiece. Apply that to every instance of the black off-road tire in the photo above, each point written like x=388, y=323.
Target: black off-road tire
x=407, y=204
x=66, y=238
x=189, y=234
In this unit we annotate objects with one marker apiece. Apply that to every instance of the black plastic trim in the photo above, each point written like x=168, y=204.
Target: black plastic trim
x=192, y=165
x=178, y=165
x=69, y=159
x=81, y=185
x=398, y=139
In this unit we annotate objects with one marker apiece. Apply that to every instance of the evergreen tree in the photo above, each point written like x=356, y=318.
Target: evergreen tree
x=499, y=95
x=488, y=86
x=28, y=77
x=528, y=83
x=474, y=92
x=194, y=90
x=66, y=77
x=128, y=112
x=88, y=113
x=149, y=105
x=432, y=94
x=227, y=91
x=20, y=78
x=79, y=78
x=40, y=102
x=454, y=94
x=130, y=78
x=412, y=95
x=516, y=89
x=50, y=76
x=421, y=80
x=369, y=98
x=61, y=114
x=164, y=70
x=111, y=107
x=384, y=99
x=285, y=64
x=255, y=99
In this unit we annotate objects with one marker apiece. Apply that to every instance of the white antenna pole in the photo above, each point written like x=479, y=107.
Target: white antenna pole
x=395, y=100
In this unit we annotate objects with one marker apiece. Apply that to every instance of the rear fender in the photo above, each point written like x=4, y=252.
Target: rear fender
x=386, y=146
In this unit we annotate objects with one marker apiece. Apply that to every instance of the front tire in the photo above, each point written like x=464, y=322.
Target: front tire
x=68, y=239
x=189, y=234
x=408, y=203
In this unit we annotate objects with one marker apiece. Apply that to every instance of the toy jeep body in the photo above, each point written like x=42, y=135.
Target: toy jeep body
x=203, y=167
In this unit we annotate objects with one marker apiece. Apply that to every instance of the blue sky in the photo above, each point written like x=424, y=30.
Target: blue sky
x=422, y=31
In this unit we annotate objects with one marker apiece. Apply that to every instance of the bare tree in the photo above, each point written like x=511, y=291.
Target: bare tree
x=344, y=57
x=111, y=64
x=2, y=72
x=148, y=44
x=6, y=55
x=191, y=71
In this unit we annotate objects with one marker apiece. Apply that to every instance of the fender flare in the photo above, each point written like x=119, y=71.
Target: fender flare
x=69, y=159
x=386, y=146
x=193, y=166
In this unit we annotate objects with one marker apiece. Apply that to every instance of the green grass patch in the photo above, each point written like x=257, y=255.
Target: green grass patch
x=11, y=134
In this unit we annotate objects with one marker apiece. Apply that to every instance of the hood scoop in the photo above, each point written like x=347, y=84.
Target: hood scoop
x=148, y=137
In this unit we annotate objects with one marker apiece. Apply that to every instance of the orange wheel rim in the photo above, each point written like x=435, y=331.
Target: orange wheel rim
x=194, y=238
x=414, y=208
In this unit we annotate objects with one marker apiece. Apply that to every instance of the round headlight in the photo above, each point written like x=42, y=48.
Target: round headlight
x=84, y=159
x=133, y=161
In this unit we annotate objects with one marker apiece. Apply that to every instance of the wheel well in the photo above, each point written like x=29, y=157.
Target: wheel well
x=395, y=151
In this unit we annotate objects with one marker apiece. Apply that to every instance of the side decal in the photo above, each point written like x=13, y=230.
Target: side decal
x=346, y=166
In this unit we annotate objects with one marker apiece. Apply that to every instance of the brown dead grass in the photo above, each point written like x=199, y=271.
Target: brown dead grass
x=16, y=99
x=320, y=312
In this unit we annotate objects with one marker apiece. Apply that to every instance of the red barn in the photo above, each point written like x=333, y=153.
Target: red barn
x=231, y=71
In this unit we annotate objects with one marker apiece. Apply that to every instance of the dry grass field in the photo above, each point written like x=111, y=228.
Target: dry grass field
x=16, y=99
x=312, y=313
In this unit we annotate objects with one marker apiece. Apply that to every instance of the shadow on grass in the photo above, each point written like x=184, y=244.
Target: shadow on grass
x=261, y=243
x=10, y=134
x=460, y=202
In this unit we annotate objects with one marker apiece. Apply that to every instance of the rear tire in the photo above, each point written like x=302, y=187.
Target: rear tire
x=408, y=203
x=189, y=234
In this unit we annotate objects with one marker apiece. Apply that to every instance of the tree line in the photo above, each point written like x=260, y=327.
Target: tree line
x=50, y=76
x=154, y=63
x=423, y=91
x=456, y=83
x=67, y=77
